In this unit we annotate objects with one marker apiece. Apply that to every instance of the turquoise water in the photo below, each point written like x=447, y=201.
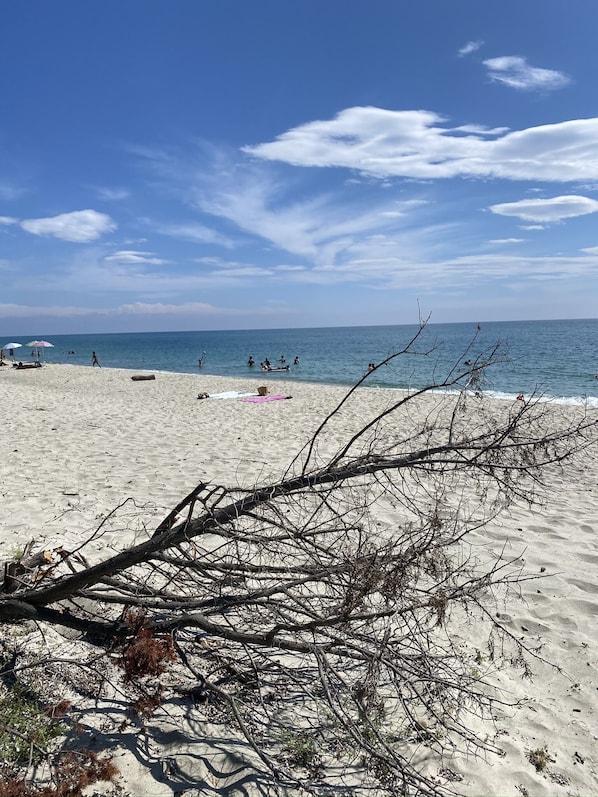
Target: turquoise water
x=559, y=357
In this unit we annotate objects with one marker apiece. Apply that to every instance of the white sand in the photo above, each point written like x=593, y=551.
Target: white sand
x=79, y=441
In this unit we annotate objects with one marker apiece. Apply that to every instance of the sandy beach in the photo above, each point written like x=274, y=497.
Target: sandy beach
x=80, y=441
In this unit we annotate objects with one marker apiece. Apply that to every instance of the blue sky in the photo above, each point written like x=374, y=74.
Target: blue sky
x=220, y=164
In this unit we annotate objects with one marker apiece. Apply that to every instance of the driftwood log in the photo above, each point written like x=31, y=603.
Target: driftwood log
x=18, y=572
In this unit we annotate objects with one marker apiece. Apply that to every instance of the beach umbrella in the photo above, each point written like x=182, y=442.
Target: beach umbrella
x=10, y=347
x=40, y=344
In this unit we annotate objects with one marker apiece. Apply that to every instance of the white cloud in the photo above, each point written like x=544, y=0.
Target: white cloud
x=318, y=229
x=30, y=311
x=80, y=226
x=6, y=220
x=129, y=256
x=547, y=210
x=113, y=194
x=399, y=209
x=10, y=192
x=480, y=130
x=444, y=274
x=418, y=144
x=506, y=241
x=515, y=72
x=158, y=308
x=216, y=266
x=195, y=232
x=133, y=309
x=470, y=47
x=382, y=268
x=591, y=250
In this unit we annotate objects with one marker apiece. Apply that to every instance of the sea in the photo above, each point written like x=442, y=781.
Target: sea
x=557, y=358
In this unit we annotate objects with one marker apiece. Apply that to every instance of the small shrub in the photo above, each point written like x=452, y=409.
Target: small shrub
x=25, y=727
x=302, y=749
x=146, y=705
x=540, y=758
x=72, y=772
x=145, y=654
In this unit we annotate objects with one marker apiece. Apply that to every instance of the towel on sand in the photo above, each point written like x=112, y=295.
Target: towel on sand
x=259, y=399
x=229, y=394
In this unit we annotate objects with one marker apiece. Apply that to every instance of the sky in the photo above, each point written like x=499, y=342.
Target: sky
x=224, y=164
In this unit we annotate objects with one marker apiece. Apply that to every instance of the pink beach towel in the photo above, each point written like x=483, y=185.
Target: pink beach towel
x=259, y=399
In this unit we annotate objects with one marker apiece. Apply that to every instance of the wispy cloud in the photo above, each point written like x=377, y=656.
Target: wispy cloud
x=321, y=230
x=233, y=267
x=132, y=309
x=80, y=226
x=160, y=308
x=130, y=256
x=9, y=191
x=446, y=273
x=515, y=72
x=547, y=210
x=506, y=240
x=470, y=47
x=113, y=194
x=195, y=232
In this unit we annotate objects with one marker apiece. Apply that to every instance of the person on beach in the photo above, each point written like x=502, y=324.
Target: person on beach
x=94, y=360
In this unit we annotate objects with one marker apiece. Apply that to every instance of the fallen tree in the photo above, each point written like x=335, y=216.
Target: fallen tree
x=297, y=613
